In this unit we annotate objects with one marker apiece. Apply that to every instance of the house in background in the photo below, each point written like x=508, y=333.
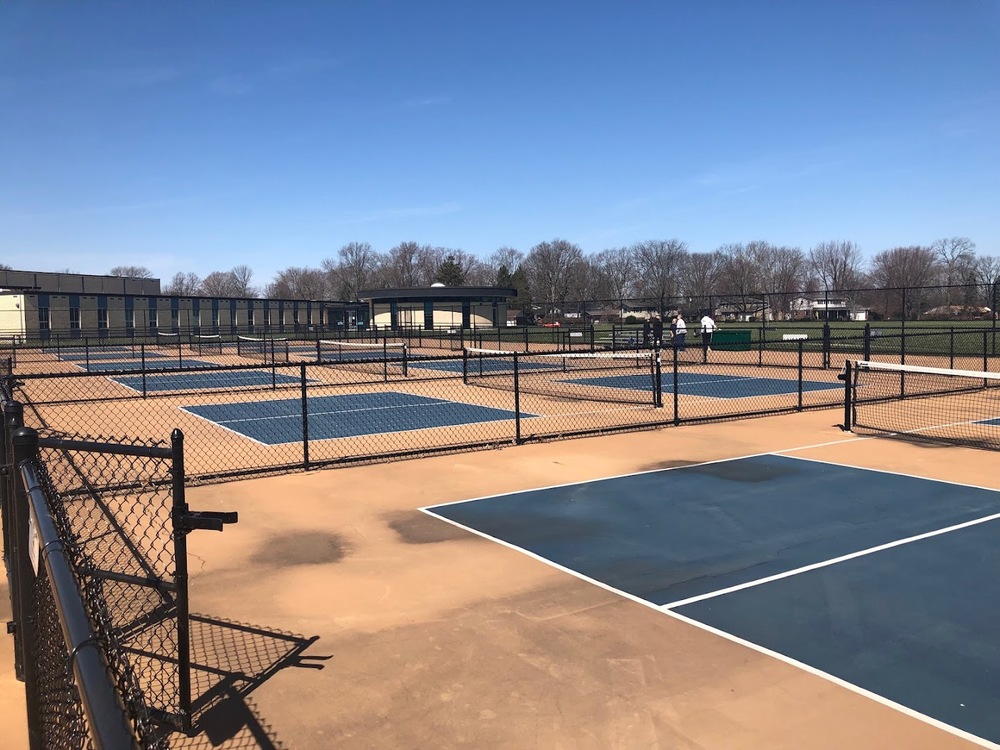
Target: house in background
x=823, y=306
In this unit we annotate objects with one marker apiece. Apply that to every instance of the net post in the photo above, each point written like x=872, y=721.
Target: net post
x=657, y=379
x=465, y=366
x=951, y=347
x=305, y=417
x=517, y=400
x=986, y=360
x=867, y=348
x=142, y=363
x=406, y=360
x=760, y=346
x=319, y=356
x=848, y=392
x=385, y=359
x=826, y=341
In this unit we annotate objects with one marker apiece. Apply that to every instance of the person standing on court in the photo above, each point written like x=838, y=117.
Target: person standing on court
x=657, y=331
x=707, y=329
x=647, y=331
x=680, y=332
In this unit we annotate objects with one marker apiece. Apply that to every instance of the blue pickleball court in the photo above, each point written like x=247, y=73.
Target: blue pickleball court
x=280, y=421
x=204, y=381
x=878, y=579
x=709, y=385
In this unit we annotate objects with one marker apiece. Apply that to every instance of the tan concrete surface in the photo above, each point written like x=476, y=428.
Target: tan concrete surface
x=430, y=637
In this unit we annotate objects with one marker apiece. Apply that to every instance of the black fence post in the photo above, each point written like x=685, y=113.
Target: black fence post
x=305, y=418
x=800, y=342
x=517, y=400
x=986, y=353
x=24, y=447
x=179, y=533
x=826, y=344
x=951, y=347
x=142, y=365
x=13, y=419
x=677, y=414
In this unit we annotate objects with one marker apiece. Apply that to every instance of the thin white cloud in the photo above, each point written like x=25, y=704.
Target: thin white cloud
x=391, y=214
x=431, y=101
x=230, y=84
x=104, y=209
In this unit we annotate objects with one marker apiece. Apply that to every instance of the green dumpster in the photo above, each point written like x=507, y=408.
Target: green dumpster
x=732, y=340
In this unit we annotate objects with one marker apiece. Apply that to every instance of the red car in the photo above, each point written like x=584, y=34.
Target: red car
x=551, y=325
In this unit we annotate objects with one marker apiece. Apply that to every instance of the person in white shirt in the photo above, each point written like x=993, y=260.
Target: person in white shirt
x=707, y=329
x=680, y=333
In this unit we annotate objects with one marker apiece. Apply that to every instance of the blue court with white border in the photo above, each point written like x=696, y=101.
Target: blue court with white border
x=707, y=385
x=280, y=421
x=880, y=580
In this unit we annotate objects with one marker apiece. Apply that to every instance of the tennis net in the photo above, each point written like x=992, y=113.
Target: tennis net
x=384, y=358
x=926, y=403
x=168, y=340
x=618, y=377
x=263, y=350
x=206, y=344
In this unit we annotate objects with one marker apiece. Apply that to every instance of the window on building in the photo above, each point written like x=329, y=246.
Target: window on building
x=152, y=320
x=129, y=318
x=74, y=319
x=267, y=318
x=175, y=319
x=102, y=318
x=43, y=319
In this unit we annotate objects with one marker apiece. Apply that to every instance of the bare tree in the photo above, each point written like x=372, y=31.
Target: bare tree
x=131, y=272
x=503, y=258
x=741, y=276
x=618, y=266
x=659, y=264
x=242, y=286
x=783, y=274
x=219, y=284
x=956, y=262
x=549, y=268
x=903, y=268
x=701, y=273
x=400, y=267
x=183, y=284
x=352, y=271
x=5, y=267
x=836, y=264
x=298, y=283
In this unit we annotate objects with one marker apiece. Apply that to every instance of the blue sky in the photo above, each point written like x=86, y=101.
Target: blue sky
x=195, y=136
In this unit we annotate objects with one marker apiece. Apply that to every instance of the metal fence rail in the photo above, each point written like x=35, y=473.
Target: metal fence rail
x=96, y=557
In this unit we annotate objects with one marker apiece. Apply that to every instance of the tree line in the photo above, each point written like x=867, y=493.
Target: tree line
x=662, y=271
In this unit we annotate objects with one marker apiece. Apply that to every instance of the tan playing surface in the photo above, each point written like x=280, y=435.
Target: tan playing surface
x=431, y=637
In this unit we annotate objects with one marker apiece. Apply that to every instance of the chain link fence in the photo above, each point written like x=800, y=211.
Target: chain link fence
x=96, y=558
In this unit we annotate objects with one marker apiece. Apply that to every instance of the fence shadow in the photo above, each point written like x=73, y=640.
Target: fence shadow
x=229, y=660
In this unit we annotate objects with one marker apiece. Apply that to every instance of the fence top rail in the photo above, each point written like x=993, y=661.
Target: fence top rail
x=118, y=449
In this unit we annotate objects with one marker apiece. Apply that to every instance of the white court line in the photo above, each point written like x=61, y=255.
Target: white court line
x=298, y=415
x=831, y=561
x=906, y=710
x=650, y=471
